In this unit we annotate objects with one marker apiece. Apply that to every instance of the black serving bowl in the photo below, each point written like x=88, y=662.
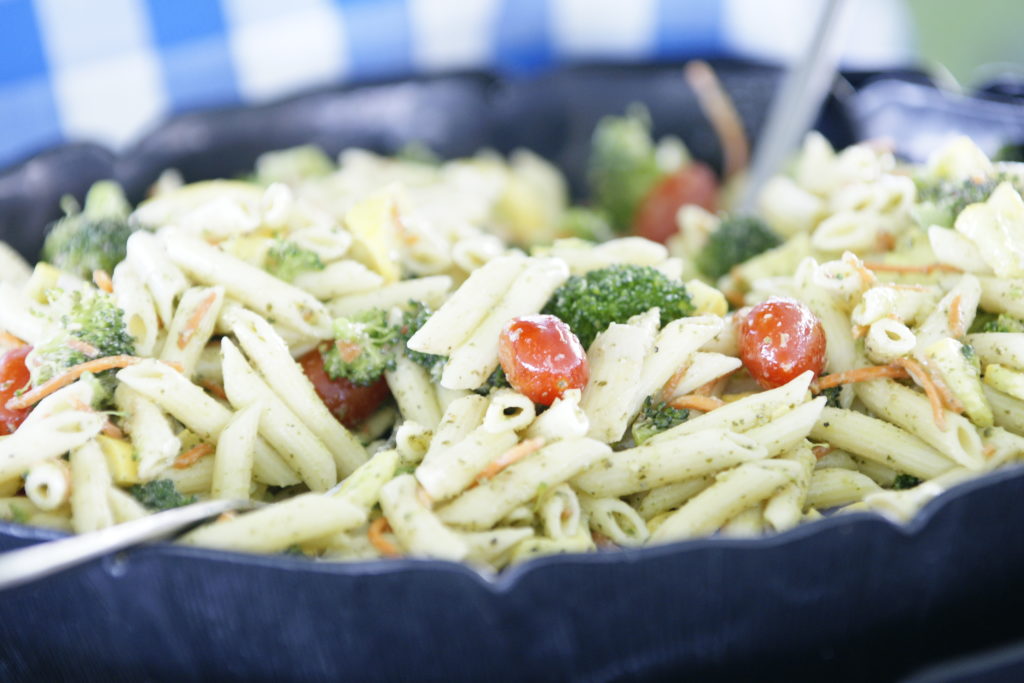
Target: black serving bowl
x=852, y=597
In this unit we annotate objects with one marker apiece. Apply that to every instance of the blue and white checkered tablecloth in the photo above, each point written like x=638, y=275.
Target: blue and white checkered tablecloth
x=107, y=70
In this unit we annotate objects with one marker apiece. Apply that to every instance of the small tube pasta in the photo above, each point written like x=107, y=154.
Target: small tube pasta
x=445, y=472
x=786, y=507
x=887, y=340
x=362, y=487
x=90, y=481
x=564, y=419
x=733, y=491
x=482, y=507
x=412, y=441
x=835, y=486
x=508, y=411
x=560, y=512
x=745, y=524
x=278, y=424
x=163, y=279
x=140, y=314
x=616, y=520
x=124, y=507
x=48, y=484
x=430, y=290
x=788, y=430
x=192, y=326
x=418, y=529
x=662, y=499
x=1004, y=348
x=276, y=527
x=413, y=390
x=338, y=279
x=152, y=439
x=232, y=466
x=616, y=359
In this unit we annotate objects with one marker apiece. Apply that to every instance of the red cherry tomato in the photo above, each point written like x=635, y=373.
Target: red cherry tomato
x=348, y=402
x=781, y=339
x=13, y=376
x=694, y=183
x=542, y=358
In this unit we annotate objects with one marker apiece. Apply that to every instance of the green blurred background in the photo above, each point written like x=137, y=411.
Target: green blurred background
x=966, y=35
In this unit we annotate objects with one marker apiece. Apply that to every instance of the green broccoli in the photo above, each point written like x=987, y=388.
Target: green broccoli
x=160, y=494
x=623, y=166
x=412, y=320
x=363, y=348
x=736, y=240
x=832, y=396
x=940, y=202
x=88, y=324
x=905, y=481
x=655, y=417
x=286, y=259
x=292, y=165
x=587, y=224
x=989, y=322
x=591, y=302
x=93, y=239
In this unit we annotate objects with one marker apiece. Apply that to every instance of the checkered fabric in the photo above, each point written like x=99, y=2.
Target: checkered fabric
x=108, y=70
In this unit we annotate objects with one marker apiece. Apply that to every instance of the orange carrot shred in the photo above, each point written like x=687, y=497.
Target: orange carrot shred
x=348, y=351
x=956, y=323
x=821, y=451
x=721, y=113
x=30, y=398
x=9, y=340
x=192, y=456
x=673, y=382
x=865, y=374
x=512, y=455
x=112, y=430
x=924, y=380
x=214, y=388
x=696, y=402
x=197, y=317
x=375, y=533
x=101, y=279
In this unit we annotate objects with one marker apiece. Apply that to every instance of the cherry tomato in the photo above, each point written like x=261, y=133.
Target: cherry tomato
x=542, y=358
x=13, y=376
x=779, y=340
x=694, y=183
x=348, y=402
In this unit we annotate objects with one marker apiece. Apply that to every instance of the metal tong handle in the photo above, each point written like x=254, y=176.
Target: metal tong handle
x=43, y=559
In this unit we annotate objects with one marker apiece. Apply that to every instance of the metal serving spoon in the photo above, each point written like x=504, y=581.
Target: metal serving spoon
x=43, y=559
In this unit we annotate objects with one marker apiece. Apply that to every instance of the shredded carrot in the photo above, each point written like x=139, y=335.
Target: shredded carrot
x=956, y=323
x=227, y=516
x=112, y=430
x=820, y=451
x=192, y=456
x=348, y=351
x=697, y=402
x=865, y=374
x=924, y=380
x=82, y=347
x=866, y=275
x=718, y=107
x=707, y=388
x=988, y=451
x=673, y=382
x=375, y=533
x=10, y=341
x=512, y=455
x=197, y=317
x=897, y=268
x=30, y=398
x=860, y=331
x=214, y=388
x=885, y=241
x=102, y=280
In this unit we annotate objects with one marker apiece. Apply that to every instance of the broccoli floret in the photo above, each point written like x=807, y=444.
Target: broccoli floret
x=655, y=417
x=987, y=322
x=293, y=165
x=88, y=325
x=832, y=396
x=412, y=320
x=591, y=302
x=363, y=347
x=587, y=224
x=940, y=202
x=285, y=260
x=160, y=494
x=736, y=240
x=93, y=239
x=623, y=166
x=905, y=481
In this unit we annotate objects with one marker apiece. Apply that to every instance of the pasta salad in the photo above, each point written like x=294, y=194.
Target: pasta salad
x=408, y=357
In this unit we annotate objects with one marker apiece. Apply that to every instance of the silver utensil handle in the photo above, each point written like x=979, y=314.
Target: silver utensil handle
x=35, y=562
